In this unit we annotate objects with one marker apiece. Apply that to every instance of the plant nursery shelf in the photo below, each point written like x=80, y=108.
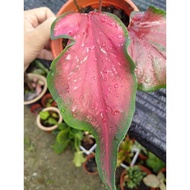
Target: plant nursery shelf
x=149, y=122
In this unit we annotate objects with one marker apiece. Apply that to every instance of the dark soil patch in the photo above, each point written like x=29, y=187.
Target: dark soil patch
x=91, y=165
x=120, y=13
x=88, y=144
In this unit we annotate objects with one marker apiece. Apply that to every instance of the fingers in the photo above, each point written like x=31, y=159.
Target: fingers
x=44, y=28
x=37, y=33
x=46, y=54
x=38, y=15
x=41, y=34
x=36, y=40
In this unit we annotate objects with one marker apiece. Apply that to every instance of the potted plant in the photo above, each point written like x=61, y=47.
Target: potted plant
x=90, y=165
x=36, y=108
x=94, y=79
x=35, y=86
x=88, y=141
x=68, y=136
x=132, y=178
x=48, y=119
x=48, y=101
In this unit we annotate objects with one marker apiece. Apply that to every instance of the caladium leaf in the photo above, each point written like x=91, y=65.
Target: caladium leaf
x=93, y=82
x=147, y=32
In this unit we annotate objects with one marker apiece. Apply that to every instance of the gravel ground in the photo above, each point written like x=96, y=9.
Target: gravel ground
x=45, y=170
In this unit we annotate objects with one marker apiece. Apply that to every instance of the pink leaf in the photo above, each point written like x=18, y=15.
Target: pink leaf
x=93, y=82
x=147, y=32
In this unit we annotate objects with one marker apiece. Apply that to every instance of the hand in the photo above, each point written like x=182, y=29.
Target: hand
x=37, y=24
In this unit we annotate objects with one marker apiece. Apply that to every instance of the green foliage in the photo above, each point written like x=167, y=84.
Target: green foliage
x=38, y=68
x=49, y=117
x=78, y=158
x=49, y=102
x=125, y=153
x=154, y=162
x=65, y=136
x=140, y=147
x=44, y=115
x=62, y=138
x=52, y=121
x=134, y=177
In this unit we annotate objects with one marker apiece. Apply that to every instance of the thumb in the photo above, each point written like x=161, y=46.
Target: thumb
x=42, y=33
x=35, y=41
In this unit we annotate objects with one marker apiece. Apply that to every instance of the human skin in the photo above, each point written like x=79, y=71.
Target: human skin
x=37, y=24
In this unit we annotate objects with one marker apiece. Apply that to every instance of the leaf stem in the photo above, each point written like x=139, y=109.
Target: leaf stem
x=76, y=143
x=100, y=6
x=41, y=66
x=78, y=8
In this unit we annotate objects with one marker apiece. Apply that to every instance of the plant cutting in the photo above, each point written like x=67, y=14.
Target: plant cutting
x=94, y=79
x=48, y=119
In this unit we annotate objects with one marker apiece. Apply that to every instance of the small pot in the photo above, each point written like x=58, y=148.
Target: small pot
x=144, y=169
x=127, y=5
x=163, y=170
x=36, y=108
x=48, y=129
x=45, y=99
x=43, y=79
x=142, y=156
x=90, y=161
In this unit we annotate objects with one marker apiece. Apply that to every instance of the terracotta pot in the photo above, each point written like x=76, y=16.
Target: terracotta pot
x=43, y=79
x=144, y=169
x=48, y=129
x=163, y=170
x=36, y=108
x=127, y=5
x=142, y=156
x=88, y=160
x=45, y=100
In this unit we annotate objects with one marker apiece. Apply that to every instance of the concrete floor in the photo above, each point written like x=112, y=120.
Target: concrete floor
x=45, y=170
